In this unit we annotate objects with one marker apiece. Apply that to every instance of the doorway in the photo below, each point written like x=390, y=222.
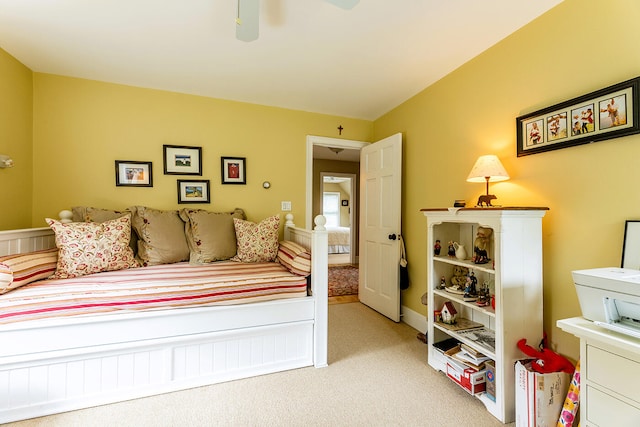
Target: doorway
x=338, y=193
x=381, y=179
x=333, y=168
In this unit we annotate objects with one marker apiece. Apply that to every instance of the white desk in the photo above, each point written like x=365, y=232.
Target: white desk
x=609, y=375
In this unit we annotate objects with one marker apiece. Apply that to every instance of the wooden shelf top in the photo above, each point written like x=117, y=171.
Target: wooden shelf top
x=489, y=208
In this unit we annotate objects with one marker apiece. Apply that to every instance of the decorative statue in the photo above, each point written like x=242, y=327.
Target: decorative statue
x=481, y=245
x=459, y=278
x=470, y=290
x=436, y=248
x=486, y=199
x=451, y=251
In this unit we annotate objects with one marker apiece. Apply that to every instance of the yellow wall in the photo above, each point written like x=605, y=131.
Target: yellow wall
x=81, y=127
x=16, y=83
x=576, y=48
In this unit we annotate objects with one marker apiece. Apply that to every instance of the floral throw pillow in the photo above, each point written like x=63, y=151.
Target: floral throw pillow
x=257, y=242
x=87, y=247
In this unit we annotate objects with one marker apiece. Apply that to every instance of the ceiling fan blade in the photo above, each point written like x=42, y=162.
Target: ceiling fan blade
x=344, y=4
x=247, y=20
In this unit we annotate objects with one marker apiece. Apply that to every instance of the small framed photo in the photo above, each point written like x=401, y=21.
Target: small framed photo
x=130, y=173
x=182, y=160
x=234, y=170
x=631, y=245
x=345, y=202
x=193, y=191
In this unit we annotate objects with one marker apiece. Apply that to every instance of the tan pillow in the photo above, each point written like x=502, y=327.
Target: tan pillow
x=257, y=242
x=161, y=236
x=210, y=235
x=90, y=247
x=21, y=269
x=91, y=214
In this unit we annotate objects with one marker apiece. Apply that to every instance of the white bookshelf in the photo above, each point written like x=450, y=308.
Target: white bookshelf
x=514, y=275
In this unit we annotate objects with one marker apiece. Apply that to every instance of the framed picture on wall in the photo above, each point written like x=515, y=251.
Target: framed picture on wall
x=607, y=113
x=234, y=170
x=193, y=191
x=182, y=160
x=131, y=173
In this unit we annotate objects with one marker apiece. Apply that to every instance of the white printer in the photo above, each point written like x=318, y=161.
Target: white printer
x=610, y=297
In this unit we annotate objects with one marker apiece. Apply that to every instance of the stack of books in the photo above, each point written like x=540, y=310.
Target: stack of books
x=468, y=356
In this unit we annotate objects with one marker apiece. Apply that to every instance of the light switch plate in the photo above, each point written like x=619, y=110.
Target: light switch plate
x=286, y=206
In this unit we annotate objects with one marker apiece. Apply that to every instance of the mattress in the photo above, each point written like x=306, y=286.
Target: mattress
x=339, y=239
x=154, y=287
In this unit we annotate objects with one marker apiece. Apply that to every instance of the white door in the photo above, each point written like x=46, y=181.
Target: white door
x=380, y=211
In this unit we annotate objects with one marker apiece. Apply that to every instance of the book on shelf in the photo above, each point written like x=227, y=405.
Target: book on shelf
x=461, y=324
x=485, y=338
x=470, y=350
x=460, y=356
x=476, y=362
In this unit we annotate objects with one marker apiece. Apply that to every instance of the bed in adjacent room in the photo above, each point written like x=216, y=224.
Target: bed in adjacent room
x=339, y=240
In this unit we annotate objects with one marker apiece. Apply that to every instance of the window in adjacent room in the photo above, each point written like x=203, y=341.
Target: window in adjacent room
x=331, y=208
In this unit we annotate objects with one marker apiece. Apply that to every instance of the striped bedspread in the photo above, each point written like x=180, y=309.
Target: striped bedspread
x=155, y=287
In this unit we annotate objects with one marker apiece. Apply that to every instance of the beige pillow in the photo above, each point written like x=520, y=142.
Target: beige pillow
x=91, y=214
x=90, y=247
x=161, y=236
x=257, y=242
x=210, y=235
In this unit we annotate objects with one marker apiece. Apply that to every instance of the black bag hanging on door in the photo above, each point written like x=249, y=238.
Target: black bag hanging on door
x=404, y=270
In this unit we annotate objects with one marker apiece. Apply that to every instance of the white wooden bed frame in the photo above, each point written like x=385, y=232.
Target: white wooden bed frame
x=57, y=365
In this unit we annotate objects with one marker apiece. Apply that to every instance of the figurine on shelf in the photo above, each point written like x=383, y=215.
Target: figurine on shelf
x=458, y=280
x=436, y=248
x=448, y=313
x=443, y=283
x=470, y=291
x=481, y=245
x=451, y=251
x=484, y=299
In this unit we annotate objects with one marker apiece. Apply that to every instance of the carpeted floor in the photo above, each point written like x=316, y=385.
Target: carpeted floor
x=343, y=280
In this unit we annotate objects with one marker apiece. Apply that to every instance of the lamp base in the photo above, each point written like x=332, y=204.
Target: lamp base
x=485, y=200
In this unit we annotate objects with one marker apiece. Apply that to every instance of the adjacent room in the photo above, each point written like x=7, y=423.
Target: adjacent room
x=158, y=155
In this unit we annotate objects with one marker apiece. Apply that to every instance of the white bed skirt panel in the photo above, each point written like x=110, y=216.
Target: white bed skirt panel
x=106, y=375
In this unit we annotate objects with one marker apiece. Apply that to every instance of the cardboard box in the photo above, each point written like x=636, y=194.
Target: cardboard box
x=469, y=379
x=539, y=397
x=490, y=367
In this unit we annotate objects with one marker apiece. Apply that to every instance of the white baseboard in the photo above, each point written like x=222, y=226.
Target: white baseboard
x=414, y=319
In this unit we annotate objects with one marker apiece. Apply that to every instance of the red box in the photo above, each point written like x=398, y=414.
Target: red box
x=468, y=378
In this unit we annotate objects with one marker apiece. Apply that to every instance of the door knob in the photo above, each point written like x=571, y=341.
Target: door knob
x=392, y=237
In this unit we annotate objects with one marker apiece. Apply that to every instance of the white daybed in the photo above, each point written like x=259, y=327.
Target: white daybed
x=59, y=364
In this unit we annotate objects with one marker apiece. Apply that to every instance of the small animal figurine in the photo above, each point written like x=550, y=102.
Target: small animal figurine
x=486, y=199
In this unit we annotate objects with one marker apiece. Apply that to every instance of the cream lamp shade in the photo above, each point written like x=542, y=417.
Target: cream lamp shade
x=488, y=169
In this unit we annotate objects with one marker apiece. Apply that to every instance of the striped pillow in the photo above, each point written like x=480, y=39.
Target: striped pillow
x=294, y=258
x=20, y=269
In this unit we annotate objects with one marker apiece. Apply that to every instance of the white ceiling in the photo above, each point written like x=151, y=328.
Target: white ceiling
x=310, y=55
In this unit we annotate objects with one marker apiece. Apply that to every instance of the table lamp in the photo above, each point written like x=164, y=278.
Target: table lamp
x=487, y=169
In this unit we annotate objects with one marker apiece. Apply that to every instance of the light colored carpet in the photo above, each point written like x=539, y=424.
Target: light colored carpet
x=377, y=376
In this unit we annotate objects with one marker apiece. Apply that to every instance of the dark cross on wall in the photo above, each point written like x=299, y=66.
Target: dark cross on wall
x=340, y=130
